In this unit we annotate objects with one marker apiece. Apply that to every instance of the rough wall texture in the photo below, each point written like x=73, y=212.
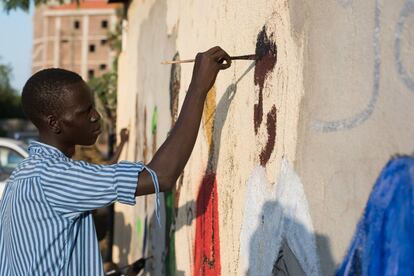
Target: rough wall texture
x=289, y=146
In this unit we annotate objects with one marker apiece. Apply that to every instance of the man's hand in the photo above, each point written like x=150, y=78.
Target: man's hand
x=206, y=67
x=124, y=135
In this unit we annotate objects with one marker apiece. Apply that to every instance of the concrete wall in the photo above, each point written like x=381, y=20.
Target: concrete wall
x=289, y=146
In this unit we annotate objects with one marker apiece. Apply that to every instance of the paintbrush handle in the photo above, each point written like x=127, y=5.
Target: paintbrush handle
x=178, y=61
x=244, y=57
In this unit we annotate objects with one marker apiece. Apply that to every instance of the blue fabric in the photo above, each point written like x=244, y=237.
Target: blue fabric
x=384, y=240
x=46, y=227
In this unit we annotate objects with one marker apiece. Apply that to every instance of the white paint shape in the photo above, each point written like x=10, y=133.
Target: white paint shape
x=298, y=228
x=260, y=242
x=359, y=118
x=273, y=213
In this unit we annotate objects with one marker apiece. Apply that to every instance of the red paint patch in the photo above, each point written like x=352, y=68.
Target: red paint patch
x=271, y=137
x=266, y=51
x=258, y=112
x=207, y=240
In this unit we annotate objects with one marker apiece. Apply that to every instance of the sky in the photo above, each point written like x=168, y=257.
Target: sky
x=16, y=44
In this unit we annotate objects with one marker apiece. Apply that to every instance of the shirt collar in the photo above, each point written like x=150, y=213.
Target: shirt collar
x=36, y=147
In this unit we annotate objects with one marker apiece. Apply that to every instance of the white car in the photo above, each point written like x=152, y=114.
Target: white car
x=11, y=153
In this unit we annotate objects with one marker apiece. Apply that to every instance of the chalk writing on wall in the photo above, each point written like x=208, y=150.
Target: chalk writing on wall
x=406, y=11
x=345, y=3
x=362, y=116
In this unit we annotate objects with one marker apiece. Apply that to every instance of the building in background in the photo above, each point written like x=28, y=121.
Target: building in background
x=74, y=36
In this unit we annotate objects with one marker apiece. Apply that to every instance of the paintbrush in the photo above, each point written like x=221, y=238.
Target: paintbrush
x=245, y=57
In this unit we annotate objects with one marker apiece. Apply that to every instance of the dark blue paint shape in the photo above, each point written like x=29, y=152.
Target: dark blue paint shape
x=384, y=240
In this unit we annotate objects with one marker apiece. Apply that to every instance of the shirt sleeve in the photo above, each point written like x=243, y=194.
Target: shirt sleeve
x=74, y=187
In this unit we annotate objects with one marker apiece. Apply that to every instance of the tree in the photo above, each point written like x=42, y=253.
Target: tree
x=105, y=90
x=9, y=5
x=10, y=103
x=105, y=86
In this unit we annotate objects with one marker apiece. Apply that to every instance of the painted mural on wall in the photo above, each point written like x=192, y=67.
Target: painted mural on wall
x=406, y=11
x=276, y=216
x=383, y=243
x=275, y=213
x=266, y=51
x=360, y=117
x=154, y=129
x=207, y=237
x=172, y=197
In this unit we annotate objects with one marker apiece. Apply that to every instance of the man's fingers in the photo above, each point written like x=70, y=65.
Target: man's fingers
x=213, y=50
x=224, y=65
x=219, y=54
x=223, y=59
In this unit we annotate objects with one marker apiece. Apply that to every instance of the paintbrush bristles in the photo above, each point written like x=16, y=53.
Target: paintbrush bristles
x=245, y=57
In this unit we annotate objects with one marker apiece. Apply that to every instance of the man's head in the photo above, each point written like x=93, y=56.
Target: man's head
x=61, y=106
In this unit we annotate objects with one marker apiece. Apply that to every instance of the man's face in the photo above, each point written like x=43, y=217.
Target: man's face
x=79, y=121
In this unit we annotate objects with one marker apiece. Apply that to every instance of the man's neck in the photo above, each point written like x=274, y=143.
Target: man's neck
x=67, y=150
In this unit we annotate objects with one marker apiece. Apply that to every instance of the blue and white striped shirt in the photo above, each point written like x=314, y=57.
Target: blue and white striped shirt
x=46, y=227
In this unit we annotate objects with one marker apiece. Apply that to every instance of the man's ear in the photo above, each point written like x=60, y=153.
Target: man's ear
x=53, y=124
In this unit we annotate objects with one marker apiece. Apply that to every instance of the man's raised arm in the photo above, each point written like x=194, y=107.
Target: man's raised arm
x=170, y=159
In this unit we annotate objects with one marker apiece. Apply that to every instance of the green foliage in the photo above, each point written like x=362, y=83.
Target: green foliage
x=9, y=5
x=5, y=75
x=105, y=88
x=10, y=104
x=115, y=40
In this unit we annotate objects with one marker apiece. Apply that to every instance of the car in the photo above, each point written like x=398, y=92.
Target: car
x=26, y=136
x=11, y=153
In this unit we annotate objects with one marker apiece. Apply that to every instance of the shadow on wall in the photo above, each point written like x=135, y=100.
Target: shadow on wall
x=218, y=119
x=207, y=239
x=277, y=236
x=328, y=265
x=154, y=43
x=279, y=245
x=220, y=116
x=123, y=241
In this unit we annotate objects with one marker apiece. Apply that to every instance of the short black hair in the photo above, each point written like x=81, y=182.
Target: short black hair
x=43, y=92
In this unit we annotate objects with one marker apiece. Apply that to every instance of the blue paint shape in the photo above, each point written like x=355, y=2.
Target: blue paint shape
x=384, y=240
